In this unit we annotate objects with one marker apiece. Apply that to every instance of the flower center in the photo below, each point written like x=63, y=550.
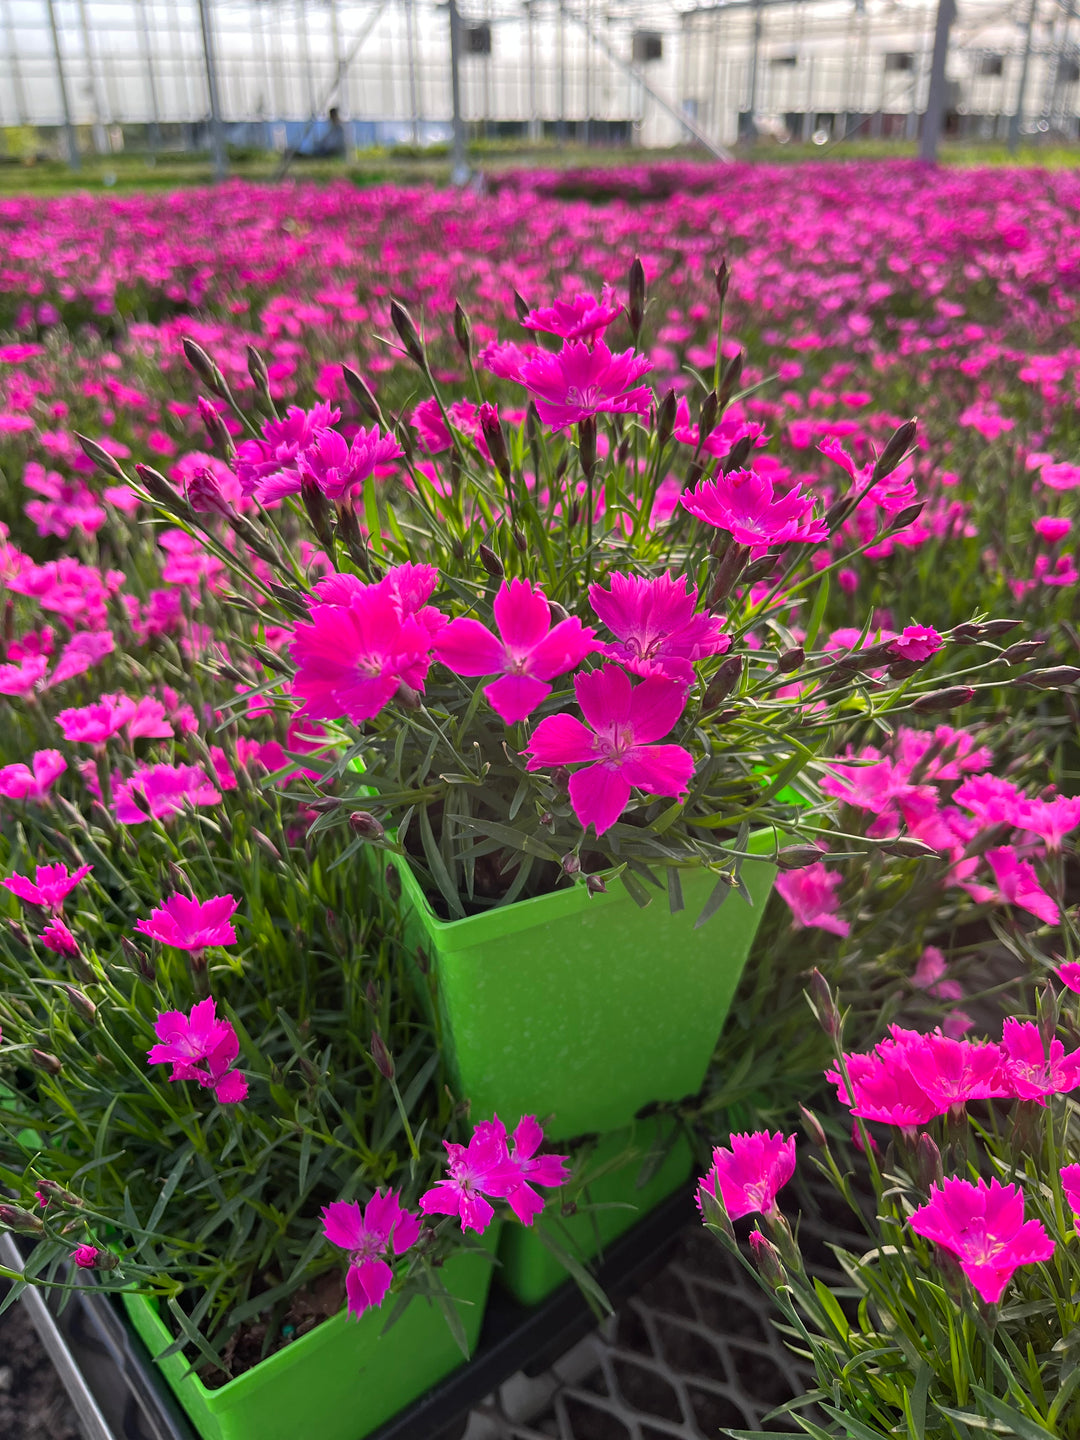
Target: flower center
x=585, y=399
x=616, y=744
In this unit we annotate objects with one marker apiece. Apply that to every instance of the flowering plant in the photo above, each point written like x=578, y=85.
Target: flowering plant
x=580, y=638
x=959, y=1313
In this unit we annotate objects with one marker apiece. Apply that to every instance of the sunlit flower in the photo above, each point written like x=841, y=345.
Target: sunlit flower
x=983, y=1226
x=368, y=1234
x=202, y=1048
x=656, y=628
x=50, y=886
x=749, y=1171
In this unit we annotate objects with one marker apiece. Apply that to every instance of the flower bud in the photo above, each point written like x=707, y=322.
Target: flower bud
x=767, y=1259
x=205, y=368
x=384, y=1061
x=14, y=1217
x=898, y=446
x=82, y=1003
x=791, y=659
x=407, y=333
x=721, y=685
x=812, y=1126
x=518, y=537
x=521, y=306
x=358, y=389
x=101, y=458
x=948, y=699
x=491, y=562
x=1048, y=1009
x=595, y=885
x=729, y=381
x=665, y=419
x=713, y=1209
x=797, y=857
x=927, y=1163
x=1057, y=677
x=823, y=1004
x=159, y=489
x=462, y=330
x=635, y=309
x=710, y=412
x=204, y=493
x=260, y=377
x=365, y=825
x=49, y=1190
x=1021, y=651
x=722, y=279
x=904, y=669
x=728, y=571
x=319, y=512
x=18, y=933
x=759, y=569
x=266, y=845
x=217, y=430
x=46, y=1062
x=907, y=516
x=137, y=960
x=571, y=864
x=587, y=445
x=492, y=431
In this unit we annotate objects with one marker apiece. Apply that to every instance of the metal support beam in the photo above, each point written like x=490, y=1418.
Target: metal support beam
x=459, y=168
x=151, y=81
x=935, y=100
x=1017, y=117
x=69, y=128
x=629, y=68
x=21, y=111
x=217, y=136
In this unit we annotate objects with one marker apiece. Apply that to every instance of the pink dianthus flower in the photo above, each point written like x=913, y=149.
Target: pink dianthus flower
x=368, y=1234
x=50, y=886
x=742, y=503
x=656, y=628
x=581, y=381
x=200, y=1047
x=188, y=924
x=983, y=1226
x=747, y=1174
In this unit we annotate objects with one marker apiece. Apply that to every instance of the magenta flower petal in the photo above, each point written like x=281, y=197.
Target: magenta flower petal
x=522, y=615
x=469, y=648
x=406, y=1231
x=599, y=795
x=659, y=769
x=1070, y=1183
x=560, y=740
x=983, y=1226
x=749, y=1171
x=514, y=697
x=562, y=649
x=366, y=1285
x=525, y=1202
x=442, y=1199
x=655, y=707
x=343, y=1224
x=381, y=1216
x=605, y=696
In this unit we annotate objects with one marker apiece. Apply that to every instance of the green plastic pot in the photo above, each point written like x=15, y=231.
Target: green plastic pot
x=341, y=1380
x=530, y=1270
x=585, y=1009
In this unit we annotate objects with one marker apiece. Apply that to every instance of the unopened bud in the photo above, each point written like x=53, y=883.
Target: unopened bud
x=384, y=1061
x=46, y=1062
x=1021, y=651
x=759, y=569
x=1057, y=677
x=14, y=1217
x=101, y=458
x=18, y=933
x=1049, y=1014
x=712, y=1207
x=205, y=368
x=587, y=445
x=710, y=412
x=729, y=381
x=949, y=699
x=407, y=332
x=260, y=377
x=137, y=959
x=558, y=612
x=217, y=430
x=907, y=516
x=731, y=566
x=82, y=1003
x=767, y=1259
x=462, y=330
x=52, y=1191
x=797, y=857
x=927, y=1163
x=898, y=446
x=665, y=419
x=571, y=864
x=266, y=844
x=366, y=826
x=813, y=1128
x=521, y=306
x=518, y=537
x=159, y=489
x=635, y=309
x=722, y=684
x=722, y=279
x=791, y=659
x=595, y=885
x=823, y=1003
x=319, y=512
x=358, y=389
x=492, y=431
x=491, y=562
x=204, y=494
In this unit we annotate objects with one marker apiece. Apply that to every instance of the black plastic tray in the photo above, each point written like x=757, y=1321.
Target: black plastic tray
x=105, y=1366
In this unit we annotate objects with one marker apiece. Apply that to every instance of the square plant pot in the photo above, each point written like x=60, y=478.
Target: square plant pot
x=583, y=1010
x=341, y=1380
x=528, y=1268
